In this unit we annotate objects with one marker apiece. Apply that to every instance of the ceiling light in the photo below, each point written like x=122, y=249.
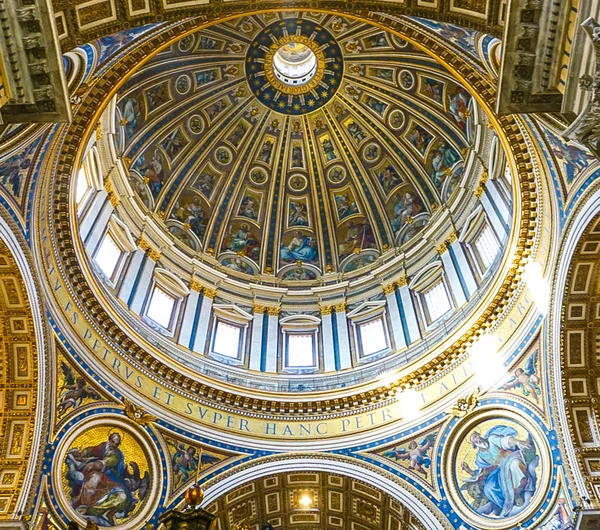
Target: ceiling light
x=305, y=501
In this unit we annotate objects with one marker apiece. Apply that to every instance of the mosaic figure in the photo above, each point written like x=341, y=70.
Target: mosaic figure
x=104, y=487
x=444, y=157
x=355, y=130
x=156, y=96
x=526, y=379
x=300, y=248
x=360, y=261
x=376, y=105
x=205, y=183
x=297, y=213
x=345, y=205
x=420, y=138
x=11, y=173
x=385, y=74
x=357, y=237
x=131, y=113
x=458, y=106
x=416, y=454
x=406, y=80
x=237, y=264
x=502, y=480
x=216, y=108
x=561, y=519
x=152, y=171
x=433, y=89
x=174, y=143
x=249, y=207
x=328, y=149
x=189, y=211
x=206, y=43
x=377, y=41
x=185, y=462
x=266, y=151
x=297, y=156
x=406, y=206
x=74, y=391
x=238, y=133
x=298, y=274
x=389, y=179
x=243, y=241
x=205, y=76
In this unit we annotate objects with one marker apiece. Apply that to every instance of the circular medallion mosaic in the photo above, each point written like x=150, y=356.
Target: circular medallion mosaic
x=106, y=473
x=497, y=469
x=294, y=66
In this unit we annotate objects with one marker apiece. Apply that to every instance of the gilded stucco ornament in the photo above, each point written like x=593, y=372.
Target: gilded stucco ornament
x=137, y=413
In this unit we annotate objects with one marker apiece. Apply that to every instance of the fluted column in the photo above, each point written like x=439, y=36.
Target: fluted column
x=457, y=253
x=407, y=311
x=201, y=329
x=492, y=211
x=132, y=272
x=452, y=274
x=258, y=339
x=87, y=220
x=144, y=279
x=270, y=358
x=329, y=360
x=395, y=319
x=191, y=315
x=341, y=337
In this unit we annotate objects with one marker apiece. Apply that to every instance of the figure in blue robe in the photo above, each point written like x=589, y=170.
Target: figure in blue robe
x=504, y=478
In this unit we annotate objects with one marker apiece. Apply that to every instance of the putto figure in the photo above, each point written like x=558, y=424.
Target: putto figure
x=416, y=454
x=74, y=391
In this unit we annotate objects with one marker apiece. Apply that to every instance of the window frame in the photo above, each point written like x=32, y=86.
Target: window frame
x=213, y=337
x=176, y=302
x=479, y=262
x=426, y=280
x=313, y=335
x=173, y=287
x=113, y=278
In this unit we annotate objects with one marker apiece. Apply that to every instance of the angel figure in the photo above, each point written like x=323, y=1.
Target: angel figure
x=526, y=379
x=74, y=391
x=416, y=454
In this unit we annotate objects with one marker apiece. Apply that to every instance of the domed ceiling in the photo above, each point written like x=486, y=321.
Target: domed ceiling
x=293, y=145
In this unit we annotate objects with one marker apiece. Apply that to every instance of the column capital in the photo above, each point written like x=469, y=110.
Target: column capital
x=195, y=285
x=402, y=281
x=326, y=310
x=340, y=308
x=258, y=309
x=389, y=288
x=273, y=311
x=209, y=293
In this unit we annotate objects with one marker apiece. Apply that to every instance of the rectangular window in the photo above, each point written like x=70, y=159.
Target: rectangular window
x=300, y=350
x=108, y=256
x=372, y=337
x=82, y=185
x=227, y=340
x=160, y=308
x=437, y=301
x=487, y=246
